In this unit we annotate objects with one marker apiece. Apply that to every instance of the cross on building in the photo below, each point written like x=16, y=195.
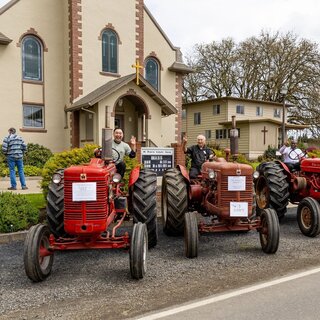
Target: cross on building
x=137, y=66
x=264, y=134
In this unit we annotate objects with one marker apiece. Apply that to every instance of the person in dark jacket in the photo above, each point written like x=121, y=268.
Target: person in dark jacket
x=199, y=153
x=14, y=148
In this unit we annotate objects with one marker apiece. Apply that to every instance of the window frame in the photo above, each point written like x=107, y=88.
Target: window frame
x=216, y=109
x=107, y=46
x=32, y=106
x=157, y=71
x=277, y=113
x=259, y=111
x=38, y=59
x=239, y=109
x=197, y=118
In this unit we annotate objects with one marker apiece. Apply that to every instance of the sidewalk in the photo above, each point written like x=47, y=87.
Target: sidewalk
x=33, y=184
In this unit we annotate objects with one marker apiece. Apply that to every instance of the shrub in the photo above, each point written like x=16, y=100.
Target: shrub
x=64, y=160
x=16, y=213
x=270, y=153
x=36, y=155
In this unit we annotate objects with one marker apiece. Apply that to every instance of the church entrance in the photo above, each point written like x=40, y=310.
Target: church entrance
x=131, y=116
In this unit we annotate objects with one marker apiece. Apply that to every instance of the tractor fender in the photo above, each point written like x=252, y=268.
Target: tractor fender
x=184, y=172
x=285, y=168
x=134, y=175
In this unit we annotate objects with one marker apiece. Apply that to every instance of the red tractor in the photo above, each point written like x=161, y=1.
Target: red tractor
x=223, y=195
x=85, y=208
x=277, y=185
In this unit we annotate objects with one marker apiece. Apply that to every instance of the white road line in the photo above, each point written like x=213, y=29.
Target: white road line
x=226, y=296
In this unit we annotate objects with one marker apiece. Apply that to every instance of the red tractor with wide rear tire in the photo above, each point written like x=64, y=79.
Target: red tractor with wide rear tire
x=277, y=185
x=85, y=208
x=223, y=195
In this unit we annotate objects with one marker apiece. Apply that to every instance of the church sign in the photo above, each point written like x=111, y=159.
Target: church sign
x=157, y=159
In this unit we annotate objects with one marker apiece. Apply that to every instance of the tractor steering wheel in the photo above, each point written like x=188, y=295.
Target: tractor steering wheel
x=293, y=155
x=115, y=155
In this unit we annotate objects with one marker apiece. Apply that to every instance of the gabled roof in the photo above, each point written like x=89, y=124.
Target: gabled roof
x=114, y=85
x=4, y=39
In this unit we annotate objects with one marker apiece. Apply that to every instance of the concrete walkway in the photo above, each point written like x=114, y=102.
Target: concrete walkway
x=33, y=184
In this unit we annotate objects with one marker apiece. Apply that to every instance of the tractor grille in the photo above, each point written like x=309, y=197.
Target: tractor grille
x=237, y=196
x=92, y=210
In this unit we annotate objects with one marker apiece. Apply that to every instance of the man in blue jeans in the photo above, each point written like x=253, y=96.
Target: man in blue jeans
x=14, y=147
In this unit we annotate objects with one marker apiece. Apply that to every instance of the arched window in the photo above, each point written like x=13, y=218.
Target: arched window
x=31, y=59
x=109, y=51
x=152, y=72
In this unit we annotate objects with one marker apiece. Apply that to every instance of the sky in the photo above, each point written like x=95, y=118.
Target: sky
x=187, y=22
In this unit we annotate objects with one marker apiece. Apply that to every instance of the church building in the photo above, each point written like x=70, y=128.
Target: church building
x=72, y=67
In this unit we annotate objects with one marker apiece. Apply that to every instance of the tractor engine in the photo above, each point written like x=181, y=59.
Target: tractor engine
x=87, y=190
x=226, y=190
x=308, y=181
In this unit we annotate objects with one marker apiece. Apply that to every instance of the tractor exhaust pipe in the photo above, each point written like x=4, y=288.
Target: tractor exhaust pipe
x=106, y=153
x=234, y=134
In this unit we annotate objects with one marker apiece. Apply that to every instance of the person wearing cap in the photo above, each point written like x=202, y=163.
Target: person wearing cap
x=292, y=155
x=14, y=148
x=123, y=149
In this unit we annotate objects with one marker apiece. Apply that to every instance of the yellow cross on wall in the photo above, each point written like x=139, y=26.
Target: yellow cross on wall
x=137, y=67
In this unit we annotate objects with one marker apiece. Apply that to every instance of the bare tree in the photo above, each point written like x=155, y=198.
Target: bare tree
x=259, y=68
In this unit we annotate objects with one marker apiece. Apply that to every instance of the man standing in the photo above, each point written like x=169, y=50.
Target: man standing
x=123, y=149
x=198, y=153
x=292, y=155
x=14, y=147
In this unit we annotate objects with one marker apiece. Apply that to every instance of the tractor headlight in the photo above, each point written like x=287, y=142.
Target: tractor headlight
x=116, y=178
x=256, y=175
x=56, y=178
x=211, y=174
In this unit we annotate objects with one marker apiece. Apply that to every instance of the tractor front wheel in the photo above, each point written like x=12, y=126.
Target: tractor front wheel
x=269, y=231
x=272, y=188
x=174, y=202
x=308, y=216
x=144, y=204
x=191, y=235
x=138, y=251
x=37, y=257
x=55, y=208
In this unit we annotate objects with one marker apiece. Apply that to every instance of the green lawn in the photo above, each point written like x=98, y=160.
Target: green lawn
x=37, y=200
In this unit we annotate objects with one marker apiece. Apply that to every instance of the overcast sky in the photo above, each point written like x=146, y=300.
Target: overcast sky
x=187, y=22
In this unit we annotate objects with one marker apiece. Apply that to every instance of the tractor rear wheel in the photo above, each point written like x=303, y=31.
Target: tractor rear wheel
x=144, y=204
x=308, y=216
x=138, y=251
x=272, y=188
x=37, y=259
x=174, y=202
x=55, y=208
x=191, y=235
x=269, y=231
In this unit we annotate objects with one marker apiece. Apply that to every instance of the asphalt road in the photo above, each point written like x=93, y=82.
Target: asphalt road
x=96, y=284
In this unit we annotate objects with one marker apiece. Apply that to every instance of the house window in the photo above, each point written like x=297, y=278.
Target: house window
x=216, y=109
x=240, y=109
x=31, y=59
x=197, y=118
x=109, y=51
x=152, y=72
x=221, y=134
x=207, y=134
x=259, y=111
x=33, y=116
x=184, y=114
x=276, y=113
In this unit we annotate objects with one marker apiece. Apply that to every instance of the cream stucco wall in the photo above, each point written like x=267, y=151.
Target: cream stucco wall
x=14, y=23
x=50, y=20
x=155, y=43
